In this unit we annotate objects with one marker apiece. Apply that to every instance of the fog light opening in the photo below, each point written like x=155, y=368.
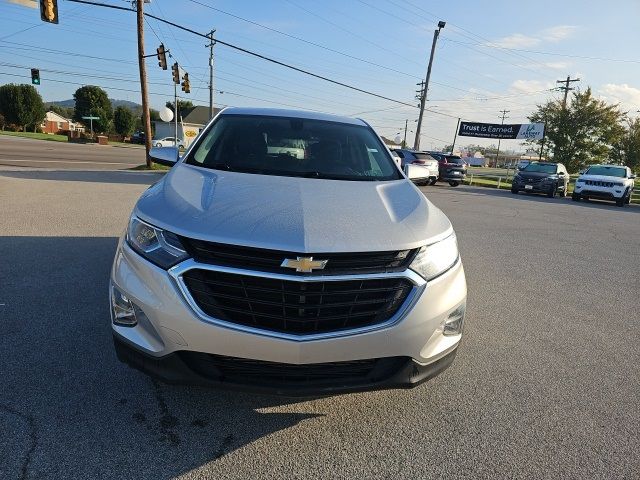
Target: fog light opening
x=454, y=323
x=123, y=311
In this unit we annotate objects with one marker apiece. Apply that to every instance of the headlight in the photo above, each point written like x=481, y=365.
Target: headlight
x=156, y=245
x=580, y=180
x=433, y=260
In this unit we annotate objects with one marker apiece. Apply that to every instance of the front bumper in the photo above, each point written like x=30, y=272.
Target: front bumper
x=168, y=326
x=186, y=368
x=602, y=193
x=541, y=187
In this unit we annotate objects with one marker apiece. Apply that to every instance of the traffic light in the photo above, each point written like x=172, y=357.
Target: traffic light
x=186, y=88
x=35, y=76
x=162, y=56
x=49, y=11
x=175, y=71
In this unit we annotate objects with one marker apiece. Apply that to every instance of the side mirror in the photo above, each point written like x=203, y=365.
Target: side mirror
x=164, y=155
x=561, y=174
x=632, y=177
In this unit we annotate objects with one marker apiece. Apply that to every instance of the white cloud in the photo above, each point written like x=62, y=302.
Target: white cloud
x=557, y=33
x=529, y=86
x=549, y=35
x=517, y=40
x=628, y=97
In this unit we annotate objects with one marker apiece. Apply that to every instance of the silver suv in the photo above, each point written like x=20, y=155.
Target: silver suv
x=286, y=252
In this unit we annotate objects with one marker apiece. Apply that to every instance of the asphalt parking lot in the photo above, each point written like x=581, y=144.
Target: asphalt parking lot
x=546, y=384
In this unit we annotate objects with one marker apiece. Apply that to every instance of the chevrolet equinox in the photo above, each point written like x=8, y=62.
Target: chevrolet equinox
x=285, y=252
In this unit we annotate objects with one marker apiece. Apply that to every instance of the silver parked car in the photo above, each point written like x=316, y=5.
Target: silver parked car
x=167, y=142
x=285, y=252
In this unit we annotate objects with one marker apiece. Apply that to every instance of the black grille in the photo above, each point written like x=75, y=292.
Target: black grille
x=256, y=372
x=270, y=260
x=599, y=183
x=296, y=307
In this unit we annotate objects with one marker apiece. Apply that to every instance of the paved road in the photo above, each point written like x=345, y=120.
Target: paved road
x=27, y=152
x=546, y=384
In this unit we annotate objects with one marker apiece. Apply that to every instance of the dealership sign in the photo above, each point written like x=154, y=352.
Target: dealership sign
x=516, y=131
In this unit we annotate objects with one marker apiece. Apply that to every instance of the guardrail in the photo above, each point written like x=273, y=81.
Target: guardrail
x=504, y=181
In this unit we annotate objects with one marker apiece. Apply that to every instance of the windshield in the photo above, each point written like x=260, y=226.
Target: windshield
x=423, y=156
x=605, y=170
x=456, y=160
x=293, y=147
x=540, y=168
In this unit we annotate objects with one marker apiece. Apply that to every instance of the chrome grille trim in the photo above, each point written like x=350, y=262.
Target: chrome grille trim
x=419, y=283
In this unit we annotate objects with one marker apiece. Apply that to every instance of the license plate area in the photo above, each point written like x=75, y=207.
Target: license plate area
x=528, y=187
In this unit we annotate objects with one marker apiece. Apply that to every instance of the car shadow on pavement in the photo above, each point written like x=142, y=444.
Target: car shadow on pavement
x=494, y=192
x=68, y=407
x=102, y=176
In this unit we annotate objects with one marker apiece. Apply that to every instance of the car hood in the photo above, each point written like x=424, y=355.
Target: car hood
x=534, y=174
x=602, y=178
x=293, y=214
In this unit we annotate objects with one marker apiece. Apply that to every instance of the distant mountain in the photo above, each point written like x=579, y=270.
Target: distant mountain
x=114, y=102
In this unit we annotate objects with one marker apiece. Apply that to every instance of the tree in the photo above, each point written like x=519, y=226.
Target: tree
x=581, y=134
x=123, y=121
x=21, y=105
x=182, y=105
x=627, y=151
x=66, y=112
x=93, y=101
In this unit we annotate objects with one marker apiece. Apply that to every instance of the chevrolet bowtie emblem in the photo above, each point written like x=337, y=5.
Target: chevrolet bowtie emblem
x=304, y=264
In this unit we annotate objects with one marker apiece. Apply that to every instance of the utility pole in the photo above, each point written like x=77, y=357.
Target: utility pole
x=425, y=87
x=404, y=142
x=146, y=119
x=504, y=115
x=455, y=137
x=210, y=45
x=566, y=88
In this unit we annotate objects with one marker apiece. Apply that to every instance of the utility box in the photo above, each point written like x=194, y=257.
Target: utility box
x=103, y=140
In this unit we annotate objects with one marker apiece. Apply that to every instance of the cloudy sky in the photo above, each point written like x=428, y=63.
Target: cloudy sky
x=491, y=55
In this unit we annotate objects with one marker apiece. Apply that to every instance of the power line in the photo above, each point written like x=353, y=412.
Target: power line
x=318, y=45
x=249, y=52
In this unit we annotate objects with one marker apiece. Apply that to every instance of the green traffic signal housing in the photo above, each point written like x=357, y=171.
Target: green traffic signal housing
x=162, y=56
x=175, y=72
x=186, y=86
x=49, y=11
x=35, y=76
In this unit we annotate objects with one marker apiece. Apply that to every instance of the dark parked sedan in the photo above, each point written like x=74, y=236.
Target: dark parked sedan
x=542, y=177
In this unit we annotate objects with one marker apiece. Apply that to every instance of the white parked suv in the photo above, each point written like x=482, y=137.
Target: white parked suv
x=605, y=182
x=252, y=267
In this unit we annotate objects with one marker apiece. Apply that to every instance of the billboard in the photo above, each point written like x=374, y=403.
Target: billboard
x=514, y=131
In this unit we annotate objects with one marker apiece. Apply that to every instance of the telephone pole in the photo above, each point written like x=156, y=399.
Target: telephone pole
x=210, y=45
x=425, y=85
x=404, y=142
x=504, y=115
x=146, y=119
x=566, y=88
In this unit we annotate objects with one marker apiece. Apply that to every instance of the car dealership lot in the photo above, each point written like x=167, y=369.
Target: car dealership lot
x=545, y=384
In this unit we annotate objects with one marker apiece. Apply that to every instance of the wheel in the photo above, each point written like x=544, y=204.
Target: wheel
x=158, y=144
x=620, y=202
x=433, y=181
x=575, y=197
x=553, y=191
x=514, y=191
x=454, y=183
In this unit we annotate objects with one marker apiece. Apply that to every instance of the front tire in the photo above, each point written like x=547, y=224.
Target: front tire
x=433, y=181
x=514, y=191
x=553, y=191
x=158, y=145
x=620, y=202
x=454, y=183
x=575, y=197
